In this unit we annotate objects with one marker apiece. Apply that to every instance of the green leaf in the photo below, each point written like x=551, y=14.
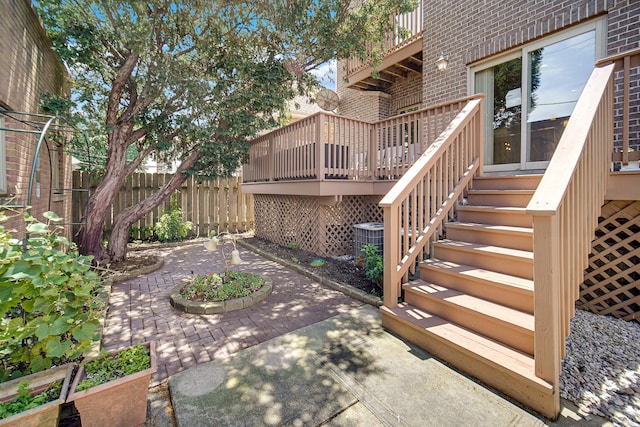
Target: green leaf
x=60, y=326
x=55, y=348
x=37, y=228
x=42, y=331
x=85, y=331
x=6, y=296
x=51, y=216
x=39, y=363
x=22, y=270
x=27, y=305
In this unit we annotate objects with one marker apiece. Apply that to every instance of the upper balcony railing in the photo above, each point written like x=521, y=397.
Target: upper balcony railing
x=409, y=25
x=329, y=147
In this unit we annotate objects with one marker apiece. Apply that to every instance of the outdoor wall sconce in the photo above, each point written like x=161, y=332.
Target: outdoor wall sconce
x=441, y=64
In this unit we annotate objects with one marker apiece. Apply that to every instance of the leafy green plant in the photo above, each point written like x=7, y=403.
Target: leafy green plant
x=108, y=367
x=48, y=300
x=170, y=226
x=292, y=245
x=24, y=400
x=373, y=266
x=214, y=287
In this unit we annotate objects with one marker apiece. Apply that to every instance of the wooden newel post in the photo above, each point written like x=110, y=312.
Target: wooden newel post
x=320, y=146
x=391, y=254
x=547, y=278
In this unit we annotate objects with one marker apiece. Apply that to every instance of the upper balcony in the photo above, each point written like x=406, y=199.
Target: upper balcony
x=402, y=56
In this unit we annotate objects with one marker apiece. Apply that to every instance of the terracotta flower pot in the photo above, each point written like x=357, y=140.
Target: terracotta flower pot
x=43, y=415
x=122, y=402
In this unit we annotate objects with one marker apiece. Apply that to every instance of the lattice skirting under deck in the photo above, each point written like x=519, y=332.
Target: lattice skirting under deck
x=313, y=224
x=612, y=280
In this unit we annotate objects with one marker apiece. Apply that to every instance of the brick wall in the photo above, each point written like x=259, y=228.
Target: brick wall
x=406, y=93
x=367, y=106
x=467, y=32
x=29, y=68
x=470, y=31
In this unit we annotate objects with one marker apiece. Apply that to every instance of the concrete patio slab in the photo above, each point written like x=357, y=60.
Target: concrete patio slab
x=345, y=370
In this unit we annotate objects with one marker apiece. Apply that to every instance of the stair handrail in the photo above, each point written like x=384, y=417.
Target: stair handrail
x=565, y=209
x=624, y=62
x=439, y=176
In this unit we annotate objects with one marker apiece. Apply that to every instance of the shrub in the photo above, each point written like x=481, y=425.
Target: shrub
x=170, y=226
x=373, y=266
x=214, y=287
x=48, y=300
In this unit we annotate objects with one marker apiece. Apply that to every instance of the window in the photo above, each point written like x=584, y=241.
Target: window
x=531, y=93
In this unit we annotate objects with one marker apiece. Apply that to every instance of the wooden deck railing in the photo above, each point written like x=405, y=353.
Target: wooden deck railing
x=321, y=146
x=565, y=209
x=410, y=23
x=624, y=63
x=426, y=196
x=329, y=147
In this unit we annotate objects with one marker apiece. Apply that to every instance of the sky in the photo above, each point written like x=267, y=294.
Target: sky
x=326, y=74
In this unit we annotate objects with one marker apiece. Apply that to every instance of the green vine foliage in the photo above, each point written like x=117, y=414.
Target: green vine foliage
x=48, y=300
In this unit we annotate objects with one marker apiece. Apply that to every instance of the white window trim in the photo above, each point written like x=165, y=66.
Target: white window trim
x=600, y=27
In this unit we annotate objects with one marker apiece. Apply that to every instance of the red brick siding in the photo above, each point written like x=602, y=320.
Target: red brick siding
x=473, y=30
x=469, y=31
x=29, y=68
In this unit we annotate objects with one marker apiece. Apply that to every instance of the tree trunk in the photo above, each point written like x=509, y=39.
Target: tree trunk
x=92, y=232
x=117, y=247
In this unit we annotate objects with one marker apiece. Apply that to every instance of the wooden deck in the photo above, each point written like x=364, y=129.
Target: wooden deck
x=500, y=272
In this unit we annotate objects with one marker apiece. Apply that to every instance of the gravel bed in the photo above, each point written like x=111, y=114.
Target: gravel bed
x=601, y=372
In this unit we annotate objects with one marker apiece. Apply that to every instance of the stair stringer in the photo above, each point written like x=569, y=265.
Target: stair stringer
x=452, y=338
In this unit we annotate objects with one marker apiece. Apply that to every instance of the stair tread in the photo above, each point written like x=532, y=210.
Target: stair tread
x=491, y=227
x=504, y=209
x=502, y=191
x=492, y=352
x=526, y=285
x=469, y=302
x=494, y=250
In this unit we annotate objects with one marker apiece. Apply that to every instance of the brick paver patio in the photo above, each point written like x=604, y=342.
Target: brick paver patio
x=139, y=311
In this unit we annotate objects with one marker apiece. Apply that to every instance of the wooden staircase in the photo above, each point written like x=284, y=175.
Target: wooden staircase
x=473, y=303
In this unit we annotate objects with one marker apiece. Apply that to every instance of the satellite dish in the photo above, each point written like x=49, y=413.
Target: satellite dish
x=327, y=99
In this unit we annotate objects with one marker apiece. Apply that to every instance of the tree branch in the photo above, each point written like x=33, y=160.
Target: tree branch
x=139, y=210
x=133, y=164
x=119, y=85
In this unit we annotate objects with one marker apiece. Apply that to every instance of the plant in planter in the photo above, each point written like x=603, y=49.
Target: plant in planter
x=112, y=389
x=49, y=300
x=34, y=400
x=227, y=284
x=214, y=287
x=221, y=292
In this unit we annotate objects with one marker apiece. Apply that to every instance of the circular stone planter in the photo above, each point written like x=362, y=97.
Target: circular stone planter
x=214, y=307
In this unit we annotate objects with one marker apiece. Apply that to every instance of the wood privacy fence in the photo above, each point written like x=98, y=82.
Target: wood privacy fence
x=212, y=206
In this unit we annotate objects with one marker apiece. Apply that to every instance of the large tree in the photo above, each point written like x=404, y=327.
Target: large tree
x=193, y=80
